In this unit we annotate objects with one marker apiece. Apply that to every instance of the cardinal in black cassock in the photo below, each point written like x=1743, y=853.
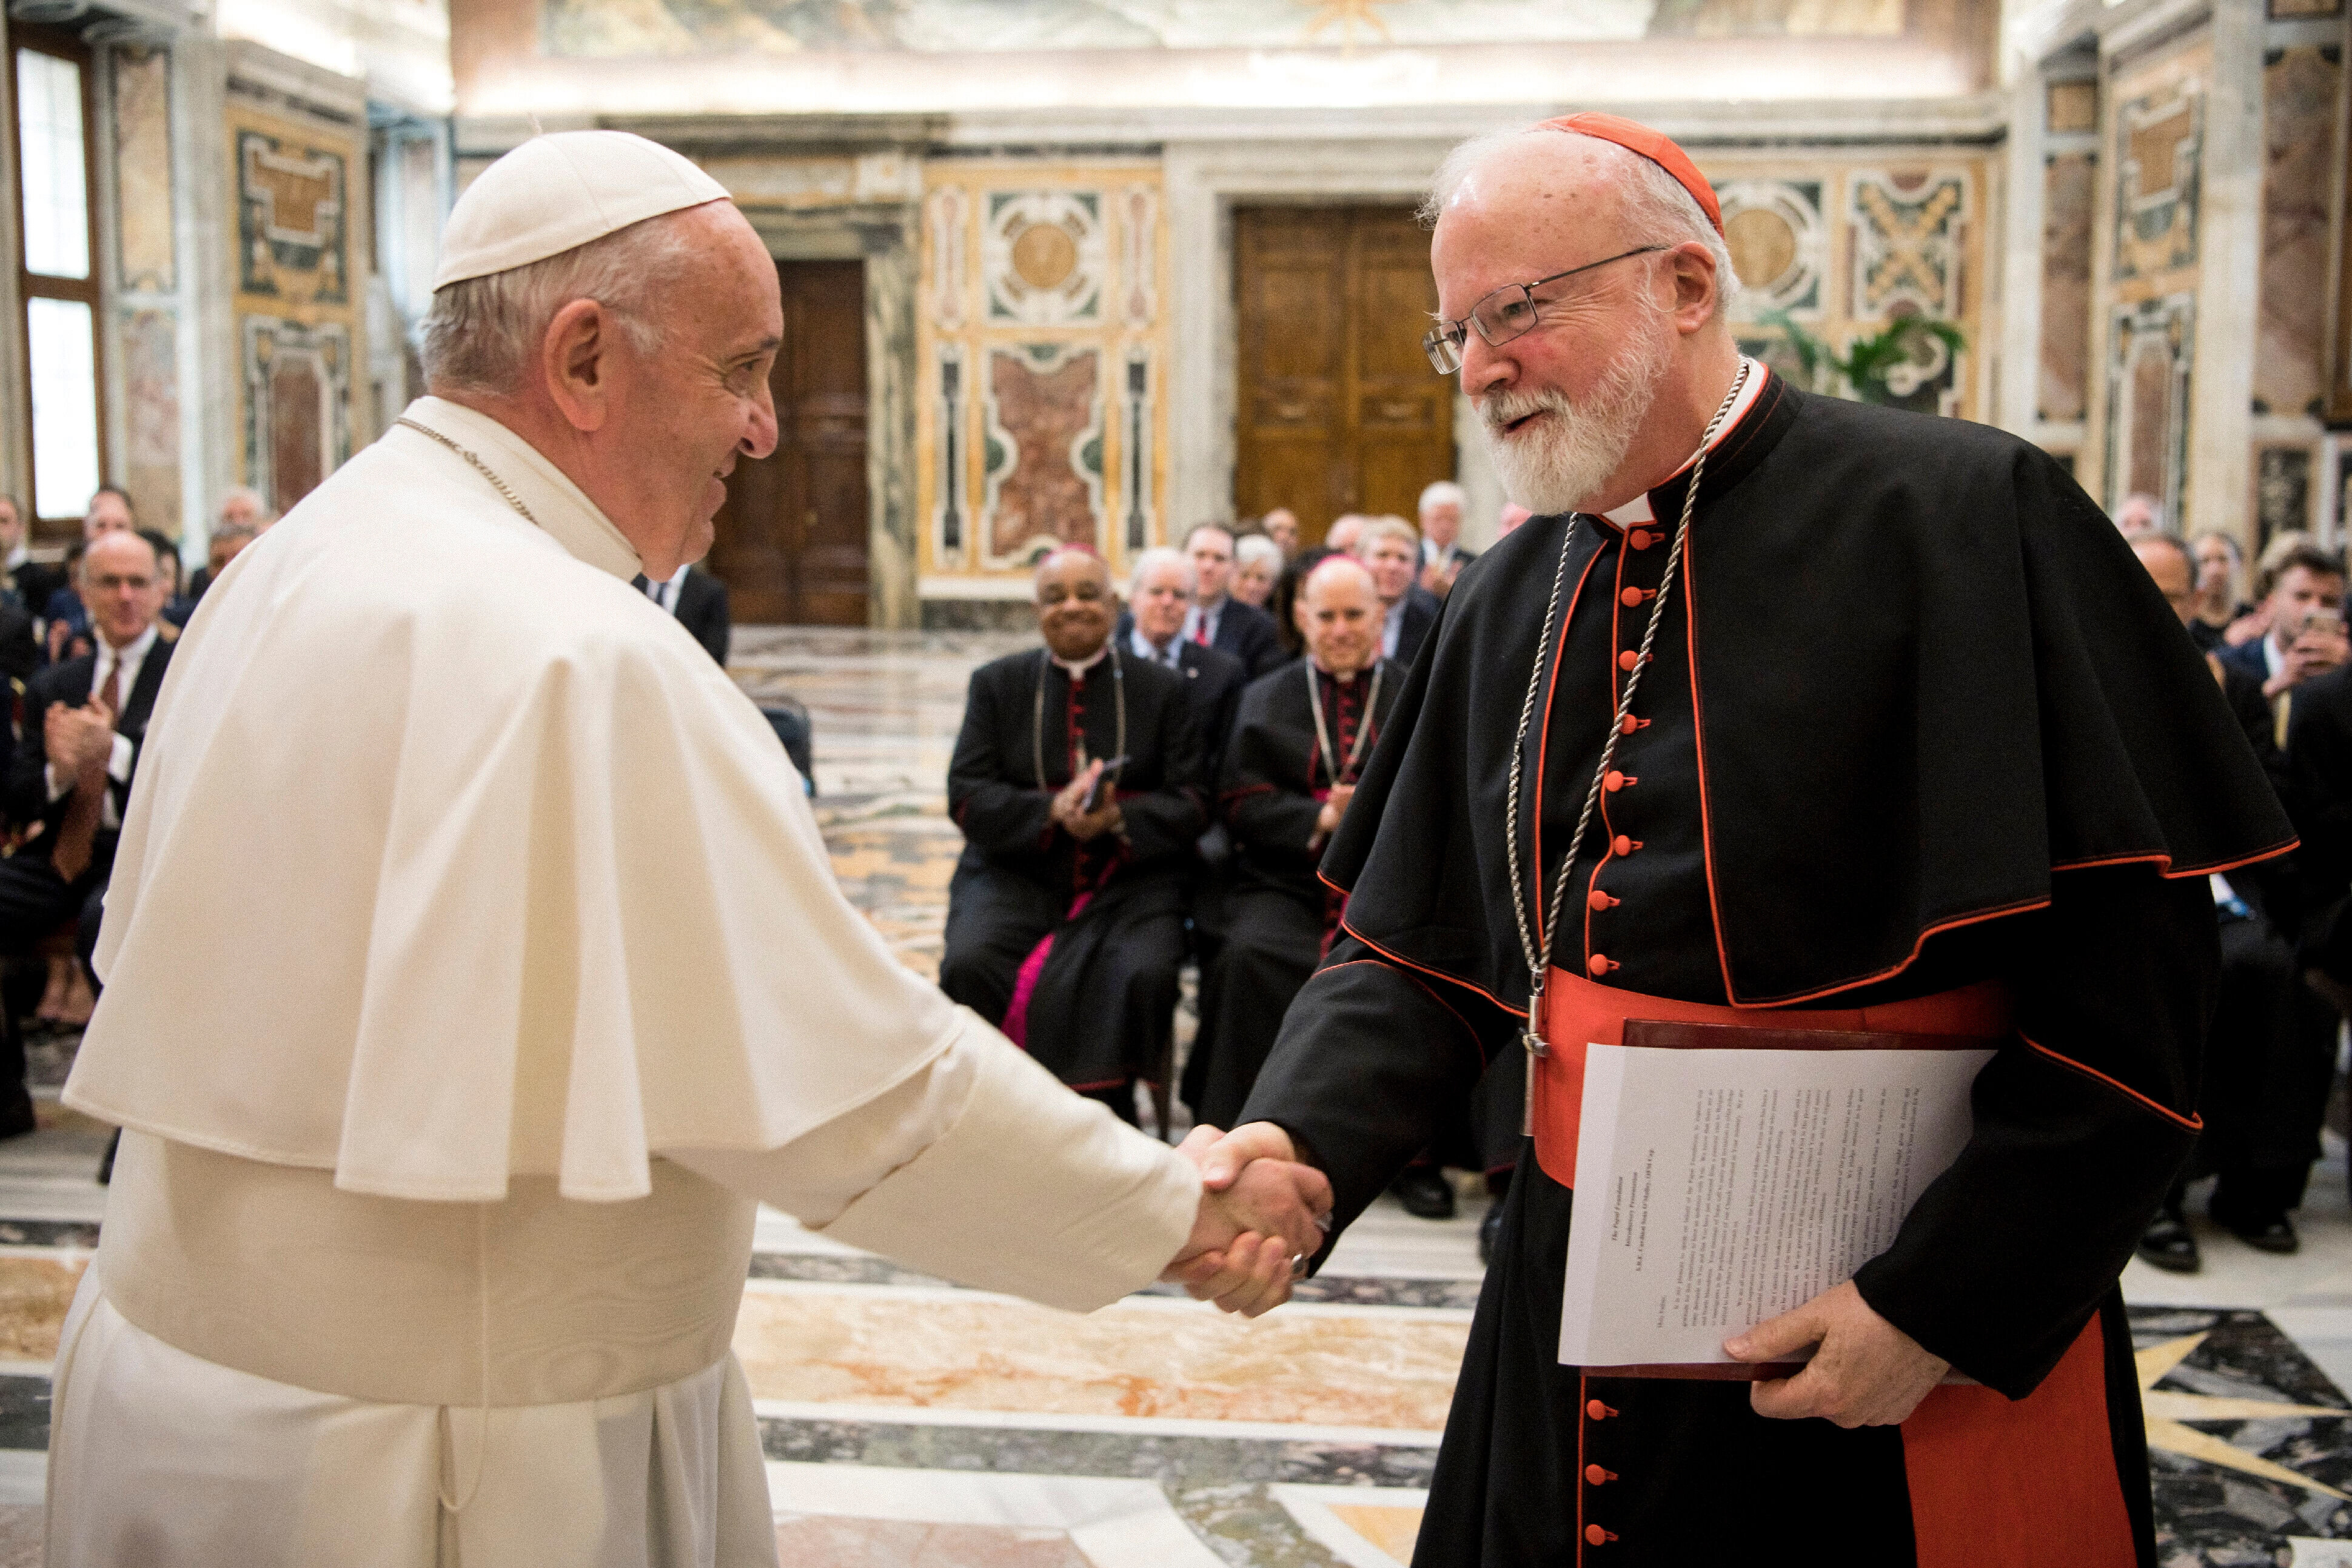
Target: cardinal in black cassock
x=1914, y=731
x=1077, y=782
x=1300, y=740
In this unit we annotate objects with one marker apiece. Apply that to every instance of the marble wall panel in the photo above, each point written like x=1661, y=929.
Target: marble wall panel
x=2160, y=143
x=150, y=407
x=2300, y=89
x=2068, y=198
x=2147, y=405
x=1040, y=334
x=298, y=389
x=143, y=169
x=1044, y=405
x=1780, y=246
x=2284, y=478
x=291, y=238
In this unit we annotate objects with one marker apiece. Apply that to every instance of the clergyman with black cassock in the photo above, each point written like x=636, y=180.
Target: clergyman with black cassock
x=1884, y=718
x=1077, y=782
x=1300, y=742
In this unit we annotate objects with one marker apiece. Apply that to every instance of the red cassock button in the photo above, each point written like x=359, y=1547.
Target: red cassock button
x=1629, y=658
x=1613, y=781
x=1631, y=598
x=1599, y=965
x=1640, y=539
x=1601, y=901
x=1622, y=844
x=1631, y=724
x=1598, y=1410
x=1598, y=1476
x=1598, y=1536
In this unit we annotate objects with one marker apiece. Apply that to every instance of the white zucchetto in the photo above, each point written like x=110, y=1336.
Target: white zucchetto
x=558, y=192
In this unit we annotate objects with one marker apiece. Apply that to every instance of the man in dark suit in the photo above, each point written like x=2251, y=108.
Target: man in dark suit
x=1160, y=593
x=698, y=600
x=69, y=782
x=1390, y=551
x=1441, y=554
x=2305, y=580
x=1217, y=619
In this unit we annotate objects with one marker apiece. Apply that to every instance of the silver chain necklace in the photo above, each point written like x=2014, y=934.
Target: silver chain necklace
x=1331, y=765
x=1537, y=953
x=497, y=484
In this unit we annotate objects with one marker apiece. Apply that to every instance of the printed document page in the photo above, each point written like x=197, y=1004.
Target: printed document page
x=1717, y=1188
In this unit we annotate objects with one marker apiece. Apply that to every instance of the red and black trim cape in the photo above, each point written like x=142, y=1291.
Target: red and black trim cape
x=1929, y=723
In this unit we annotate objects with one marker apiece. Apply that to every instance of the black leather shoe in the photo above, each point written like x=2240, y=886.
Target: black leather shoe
x=2168, y=1244
x=2270, y=1234
x=1426, y=1192
x=1488, y=1229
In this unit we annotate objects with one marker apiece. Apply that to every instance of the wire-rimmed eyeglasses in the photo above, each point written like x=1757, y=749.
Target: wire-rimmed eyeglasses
x=1506, y=313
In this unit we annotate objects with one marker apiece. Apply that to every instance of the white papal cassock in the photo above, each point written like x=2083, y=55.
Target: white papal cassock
x=472, y=963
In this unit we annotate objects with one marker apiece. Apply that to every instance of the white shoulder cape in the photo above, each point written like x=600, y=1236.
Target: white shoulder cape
x=452, y=856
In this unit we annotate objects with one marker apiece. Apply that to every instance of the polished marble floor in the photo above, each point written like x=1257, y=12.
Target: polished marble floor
x=910, y=1422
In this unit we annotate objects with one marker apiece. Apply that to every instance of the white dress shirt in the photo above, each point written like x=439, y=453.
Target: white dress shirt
x=132, y=659
x=1144, y=647
x=665, y=593
x=1201, y=622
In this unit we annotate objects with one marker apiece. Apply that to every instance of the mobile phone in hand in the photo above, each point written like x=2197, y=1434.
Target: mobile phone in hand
x=1105, y=782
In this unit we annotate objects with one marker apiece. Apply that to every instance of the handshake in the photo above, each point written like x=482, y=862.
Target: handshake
x=1262, y=1215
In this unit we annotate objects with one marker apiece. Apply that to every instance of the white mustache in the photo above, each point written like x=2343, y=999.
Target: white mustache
x=1501, y=410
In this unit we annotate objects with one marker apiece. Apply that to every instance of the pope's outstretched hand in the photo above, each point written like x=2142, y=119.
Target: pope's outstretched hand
x=1262, y=1215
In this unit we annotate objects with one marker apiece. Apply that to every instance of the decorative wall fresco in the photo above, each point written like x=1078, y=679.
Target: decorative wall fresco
x=1844, y=245
x=1907, y=236
x=297, y=324
x=2068, y=198
x=150, y=415
x=1040, y=338
x=1779, y=244
x=2300, y=87
x=620, y=27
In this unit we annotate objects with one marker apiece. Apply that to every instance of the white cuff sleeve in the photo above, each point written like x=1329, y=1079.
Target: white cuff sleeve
x=997, y=1176
x=117, y=762
x=58, y=784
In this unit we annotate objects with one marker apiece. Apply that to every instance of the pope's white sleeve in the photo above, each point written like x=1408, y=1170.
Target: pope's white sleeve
x=984, y=1169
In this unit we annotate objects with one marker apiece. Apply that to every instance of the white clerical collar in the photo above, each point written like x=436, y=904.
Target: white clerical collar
x=1082, y=666
x=563, y=511
x=1638, y=510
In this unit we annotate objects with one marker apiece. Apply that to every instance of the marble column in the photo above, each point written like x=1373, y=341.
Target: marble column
x=2229, y=281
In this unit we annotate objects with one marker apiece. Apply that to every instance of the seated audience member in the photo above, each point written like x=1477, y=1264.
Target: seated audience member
x=1159, y=592
x=698, y=600
x=64, y=631
x=1281, y=525
x=2139, y=515
x=2221, y=587
x=1257, y=562
x=1217, y=619
x=1077, y=782
x=84, y=721
x=1346, y=532
x=176, y=609
x=1300, y=740
x=2304, y=580
x=2272, y=1048
x=1441, y=554
x=1283, y=606
x=244, y=516
x=2255, y=623
x=1391, y=552
x=15, y=552
x=109, y=511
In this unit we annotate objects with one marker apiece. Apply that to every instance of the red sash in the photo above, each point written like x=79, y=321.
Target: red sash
x=1577, y=1013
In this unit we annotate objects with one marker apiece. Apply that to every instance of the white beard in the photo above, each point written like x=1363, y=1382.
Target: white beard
x=1560, y=462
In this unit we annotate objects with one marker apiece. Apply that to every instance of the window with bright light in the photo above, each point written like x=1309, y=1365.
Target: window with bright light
x=65, y=372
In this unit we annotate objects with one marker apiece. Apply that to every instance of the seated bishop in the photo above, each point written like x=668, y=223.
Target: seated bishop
x=1077, y=780
x=1301, y=738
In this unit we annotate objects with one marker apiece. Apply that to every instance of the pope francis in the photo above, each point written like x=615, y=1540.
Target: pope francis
x=473, y=964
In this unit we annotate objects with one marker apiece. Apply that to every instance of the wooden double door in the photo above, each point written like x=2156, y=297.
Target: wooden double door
x=1339, y=410
x=792, y=541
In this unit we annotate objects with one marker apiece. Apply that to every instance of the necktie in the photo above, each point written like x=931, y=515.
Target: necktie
x=1201, y=631
x=79, y=827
